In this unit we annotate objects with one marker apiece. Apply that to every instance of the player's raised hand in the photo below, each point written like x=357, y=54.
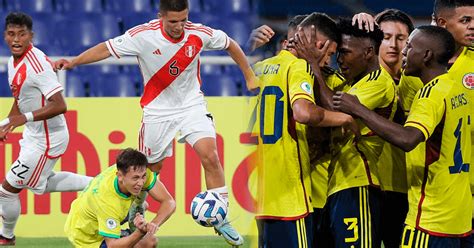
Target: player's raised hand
x=63, y=64
x=259, y=37
x=365, y=21
x=307, y=48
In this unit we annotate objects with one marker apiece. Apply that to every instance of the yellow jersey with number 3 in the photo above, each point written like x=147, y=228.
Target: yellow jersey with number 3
x=439, y=195
x=284, y=183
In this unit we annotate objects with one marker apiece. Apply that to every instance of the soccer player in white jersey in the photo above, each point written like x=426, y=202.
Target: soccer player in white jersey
x=168, y=51
x=39, y=106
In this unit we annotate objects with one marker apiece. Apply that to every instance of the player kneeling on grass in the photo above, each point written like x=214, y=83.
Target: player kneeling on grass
x=95, y=216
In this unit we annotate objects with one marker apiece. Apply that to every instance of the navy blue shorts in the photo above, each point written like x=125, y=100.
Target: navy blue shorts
x=393, y=214
x=321, y=233
x=354, y=216
x=413, y=238
x=468, y=242
x=285, y=234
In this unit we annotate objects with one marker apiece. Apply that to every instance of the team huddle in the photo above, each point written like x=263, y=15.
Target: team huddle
x=377, y=151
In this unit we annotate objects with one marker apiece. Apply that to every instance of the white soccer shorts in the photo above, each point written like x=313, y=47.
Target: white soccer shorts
x=31, y=170
x=156, y=139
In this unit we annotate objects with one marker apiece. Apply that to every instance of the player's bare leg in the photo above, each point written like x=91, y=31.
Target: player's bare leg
x=10, y=211
x=207, y=151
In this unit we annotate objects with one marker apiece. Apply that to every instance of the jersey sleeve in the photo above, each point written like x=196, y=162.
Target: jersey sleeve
x=109, y=220
x=215, y=39
x=425, y=114
x=300, y=82
x=151, y=178
x=374, y=94
x=124, y=45
x=46, y=79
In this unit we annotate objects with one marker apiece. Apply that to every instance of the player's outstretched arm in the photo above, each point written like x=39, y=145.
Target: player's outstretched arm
x=406, y=138
x=259, y=37
x=167, y=204
x=236, y=53
x=306, y=112
x=91, y=55
x=55, y=106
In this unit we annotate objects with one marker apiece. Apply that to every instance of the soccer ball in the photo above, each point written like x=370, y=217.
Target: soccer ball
x=208, y=209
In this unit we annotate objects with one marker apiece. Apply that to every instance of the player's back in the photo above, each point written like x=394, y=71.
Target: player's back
x=439, y=193
x=284, y=181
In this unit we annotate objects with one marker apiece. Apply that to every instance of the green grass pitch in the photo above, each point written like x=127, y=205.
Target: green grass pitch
x=164, y=242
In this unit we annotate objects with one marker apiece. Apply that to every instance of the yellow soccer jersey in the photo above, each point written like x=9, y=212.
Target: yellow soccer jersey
x=99, y=209
x=284, y=184
x=407, y=89
x=462, y=71
x=354, y=162
x=391, y=168
x=319, y=142
x=439, y=195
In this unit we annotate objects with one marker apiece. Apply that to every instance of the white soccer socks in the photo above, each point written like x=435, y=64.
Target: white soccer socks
x=10, y=211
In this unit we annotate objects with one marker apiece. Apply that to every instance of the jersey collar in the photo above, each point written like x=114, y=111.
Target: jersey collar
x=117, y=189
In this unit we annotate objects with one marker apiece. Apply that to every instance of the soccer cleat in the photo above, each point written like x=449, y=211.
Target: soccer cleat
x=230, y=235
x=6, y=241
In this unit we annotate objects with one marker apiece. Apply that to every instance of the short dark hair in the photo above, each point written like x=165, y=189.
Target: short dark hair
x=296, y=20
x=445, y=40
x=19, y=18
x=450, y=4
x=173, y=5
x=395, y=15
x=324, y=24
x=130, y=158
x=345, y=27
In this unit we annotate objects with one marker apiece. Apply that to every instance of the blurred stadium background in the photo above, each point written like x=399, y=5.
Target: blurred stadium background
x=68, y=27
